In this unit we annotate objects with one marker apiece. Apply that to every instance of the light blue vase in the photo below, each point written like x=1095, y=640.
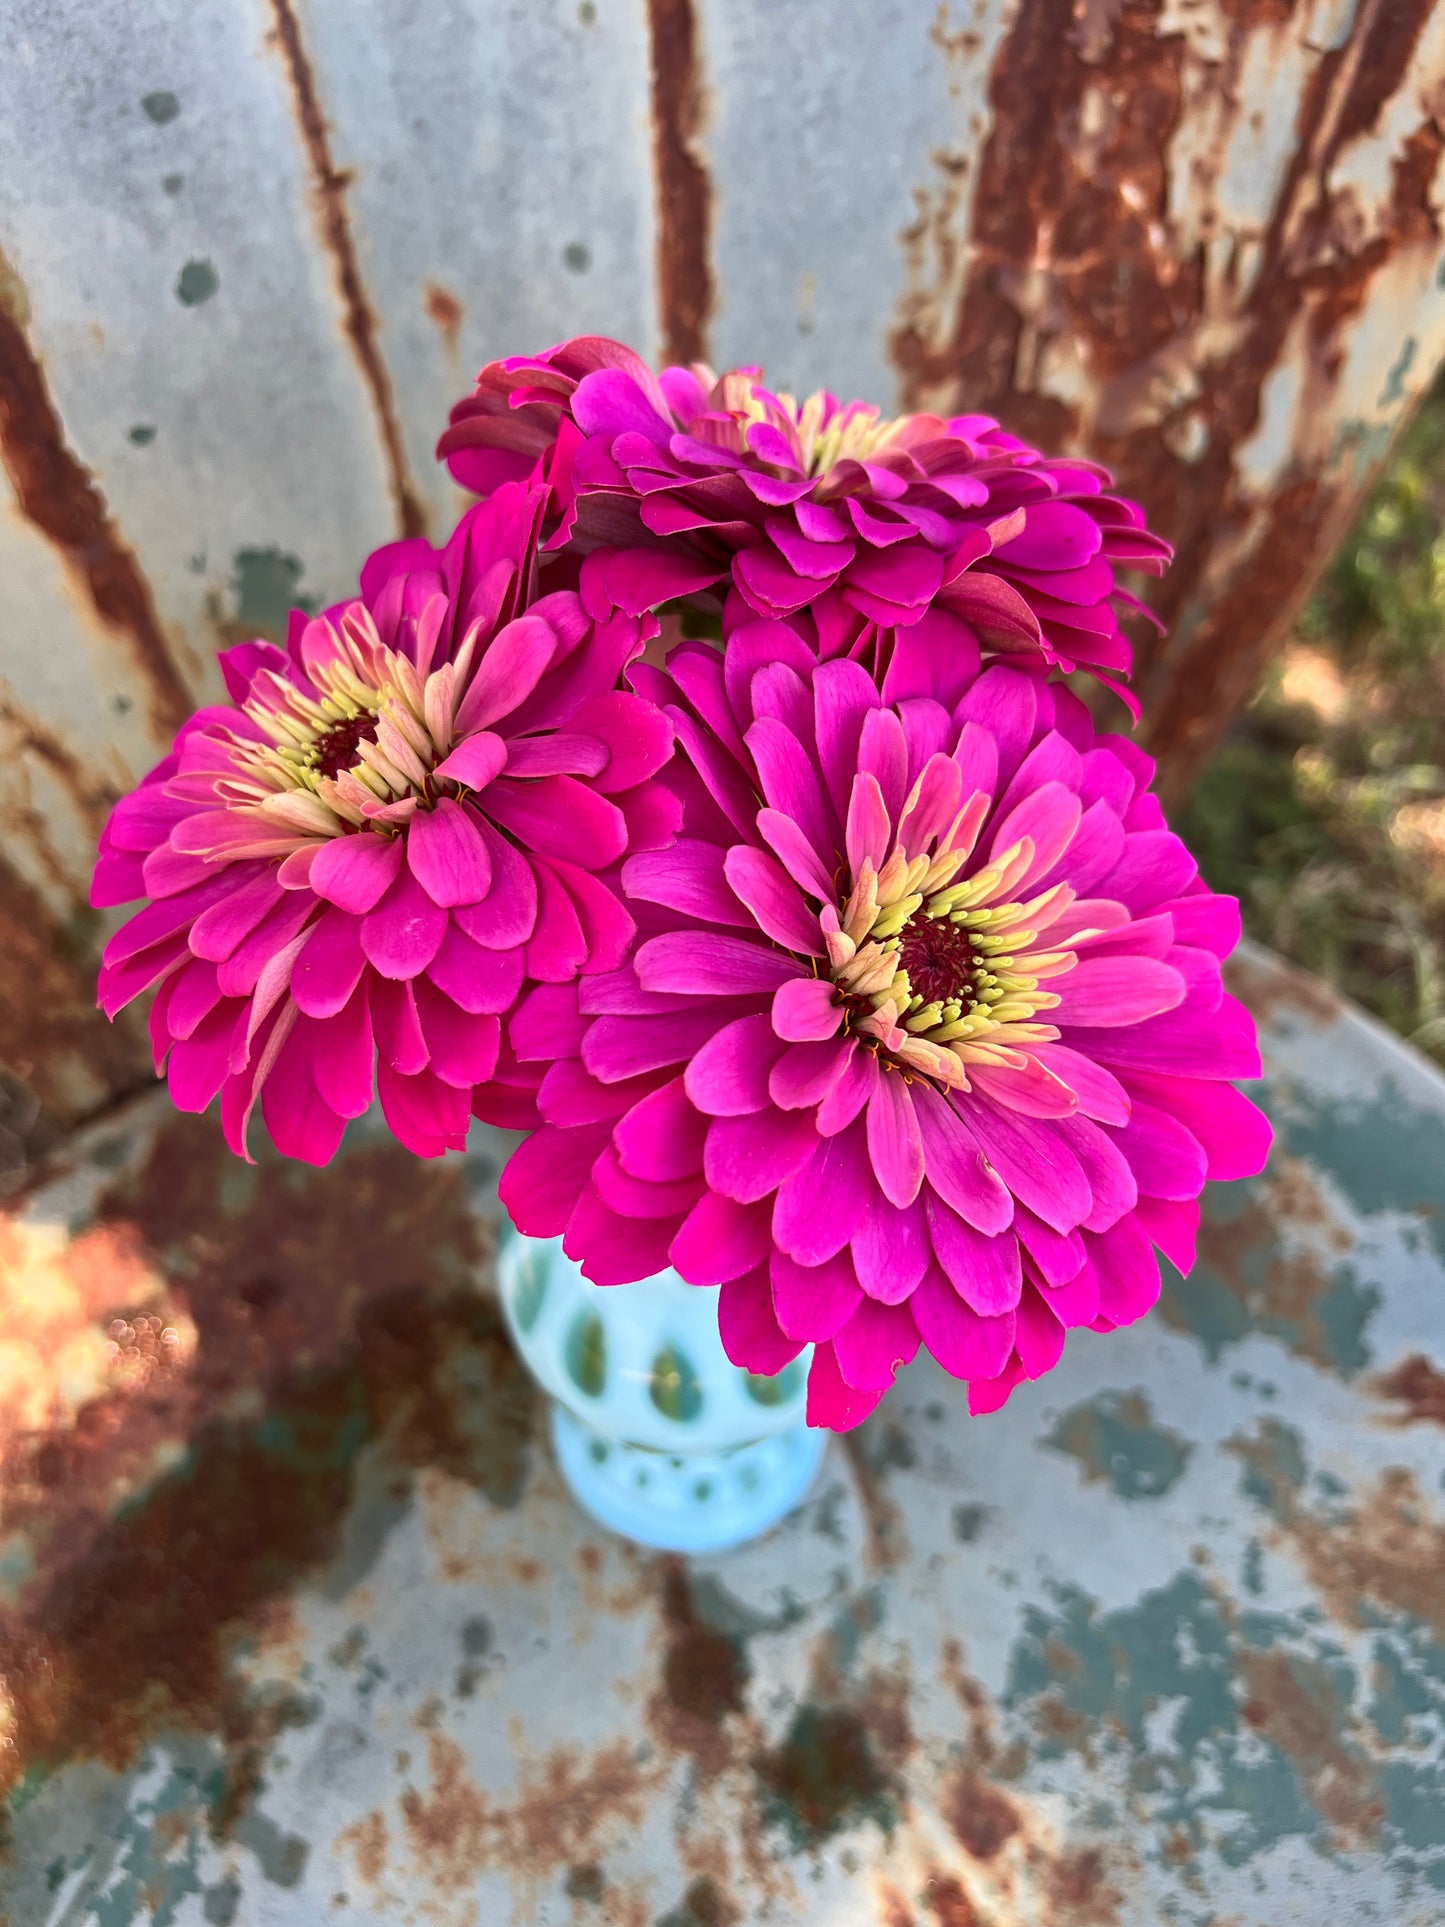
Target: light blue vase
x=658, y=1435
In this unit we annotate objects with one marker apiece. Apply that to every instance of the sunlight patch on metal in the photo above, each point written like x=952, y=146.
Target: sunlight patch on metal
x=299, y=1623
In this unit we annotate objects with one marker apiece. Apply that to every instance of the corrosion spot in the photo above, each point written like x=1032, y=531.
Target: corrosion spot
x=704, y=1904
x=559, y=1814
x=983, y=1819
x=584, y=1882
x=1417, y=1386
x=367, y=1839
x=947, y=1898
x=704, y=1675
x=684, y=192
x=58, y=1055
x=1077, y=1887
x=160, y=106
x=445, y=310
x=824, y=1775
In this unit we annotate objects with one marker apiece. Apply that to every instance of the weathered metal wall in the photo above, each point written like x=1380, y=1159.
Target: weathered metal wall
x=251, y=249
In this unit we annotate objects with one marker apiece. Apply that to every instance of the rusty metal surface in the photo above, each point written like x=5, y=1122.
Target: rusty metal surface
x=299, y=1625
x=251, y=249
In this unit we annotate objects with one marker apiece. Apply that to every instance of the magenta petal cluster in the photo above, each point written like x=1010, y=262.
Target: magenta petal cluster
x=397, y=825
x=848, y=526
x=924, y=1039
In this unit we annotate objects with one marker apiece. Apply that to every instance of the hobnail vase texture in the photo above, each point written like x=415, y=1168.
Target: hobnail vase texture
x=660, y=1437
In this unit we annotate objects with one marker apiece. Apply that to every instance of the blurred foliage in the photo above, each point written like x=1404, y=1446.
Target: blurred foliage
x=1324, y=811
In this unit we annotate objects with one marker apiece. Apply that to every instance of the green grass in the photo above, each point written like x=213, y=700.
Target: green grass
x=1324, y=810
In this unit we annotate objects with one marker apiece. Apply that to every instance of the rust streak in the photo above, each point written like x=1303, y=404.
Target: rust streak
x=59, y=495
x=331, y=184
x=684, y=192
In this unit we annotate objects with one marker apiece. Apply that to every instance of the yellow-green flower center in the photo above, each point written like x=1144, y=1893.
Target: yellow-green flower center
x=938, y=974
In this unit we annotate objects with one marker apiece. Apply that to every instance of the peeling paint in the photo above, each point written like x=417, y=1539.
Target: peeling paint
x=1175, y=285
x=1115, y=1439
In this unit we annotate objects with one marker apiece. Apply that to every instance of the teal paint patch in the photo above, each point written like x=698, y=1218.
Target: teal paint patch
x=143, y=434
x=222, y=1902
x=1394, y=388
x=1407, y=1674
x=173, y=183
x=477, y=1636
x=197, y=282
x=1385, y=1154
x=265, y=587
x=161, y=106
x=1251, y=1574
x=968, y=1522
x=1099, y=1679
x=1115, y=1439
x=1274, y=1464
x=1238, y=1727
x=282, y=1855
x=1246, y=1281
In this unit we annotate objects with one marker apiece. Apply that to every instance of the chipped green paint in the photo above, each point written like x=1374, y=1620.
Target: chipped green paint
x=143, y=434
x=222, y=1902
x=161, y=106
x=1386, y=1153
x=1239, y=1726
x=197, y=282
x=1085, y=1674
x=1116, y=1440
x=1393, y=391
x=265, y=587
x=1320, y=1311
x=1273, y=1460
x=968, y=1522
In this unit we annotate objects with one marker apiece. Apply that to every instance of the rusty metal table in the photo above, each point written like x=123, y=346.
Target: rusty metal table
x=300, y=1627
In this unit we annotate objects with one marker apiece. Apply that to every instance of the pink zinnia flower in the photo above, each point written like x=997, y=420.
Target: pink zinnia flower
x=394, y=826
x=847, y=525
x=924, y=1040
